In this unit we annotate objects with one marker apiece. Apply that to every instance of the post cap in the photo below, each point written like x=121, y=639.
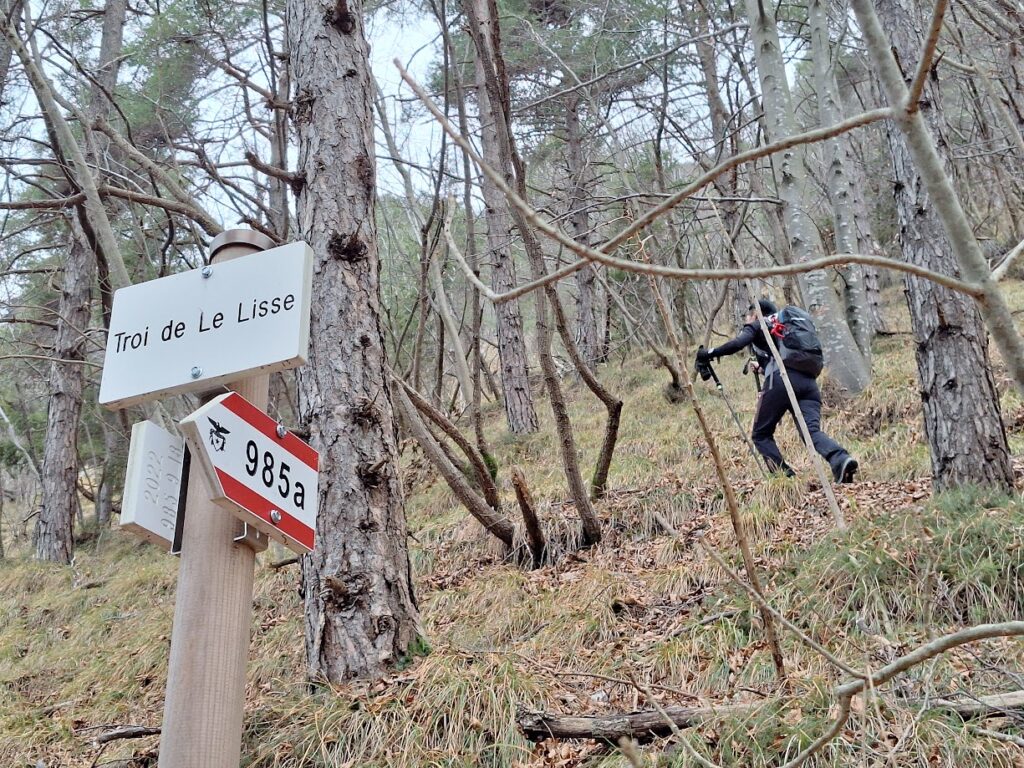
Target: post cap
x=248, y=239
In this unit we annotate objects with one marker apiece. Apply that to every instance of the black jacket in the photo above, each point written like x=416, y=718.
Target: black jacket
x=750, y=335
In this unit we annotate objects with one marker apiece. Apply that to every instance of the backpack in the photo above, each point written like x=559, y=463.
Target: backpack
x=798, y=342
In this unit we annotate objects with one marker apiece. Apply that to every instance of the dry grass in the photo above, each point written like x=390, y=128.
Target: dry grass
x=569, y=637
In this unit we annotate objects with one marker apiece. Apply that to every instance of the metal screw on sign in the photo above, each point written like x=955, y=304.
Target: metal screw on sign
x=196, y=372
x=281, y=431
x=275, y=517
x=207, y=271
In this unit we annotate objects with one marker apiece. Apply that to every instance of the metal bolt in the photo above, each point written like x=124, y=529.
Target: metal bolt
x=196, y=371
x=281, y=431
x=275, y=517
x=207, y=271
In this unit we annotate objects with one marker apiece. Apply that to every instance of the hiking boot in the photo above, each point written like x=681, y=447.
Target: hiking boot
x=847, y=469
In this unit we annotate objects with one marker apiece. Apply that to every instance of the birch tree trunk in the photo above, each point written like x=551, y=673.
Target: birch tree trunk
x=839, y=178
x=959, y=399
x=845, y=361
x=360, y=613
x=55, y=522
x=515, y=372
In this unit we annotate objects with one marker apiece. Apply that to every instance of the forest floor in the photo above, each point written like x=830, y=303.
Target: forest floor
x=84, y=649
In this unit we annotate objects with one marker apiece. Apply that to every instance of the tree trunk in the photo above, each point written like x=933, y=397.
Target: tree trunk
x=588, y=327
x=840, y=180
x=67, y=377
x=845, y=361
x=962, y=421
x=113, y=466
x=515, y=372
x=360, y=612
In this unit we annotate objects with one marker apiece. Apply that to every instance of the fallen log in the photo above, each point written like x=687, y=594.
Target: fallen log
x=982, y=705
x=636, y=725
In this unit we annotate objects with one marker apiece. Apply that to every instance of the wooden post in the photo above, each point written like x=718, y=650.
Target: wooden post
x=205, y=697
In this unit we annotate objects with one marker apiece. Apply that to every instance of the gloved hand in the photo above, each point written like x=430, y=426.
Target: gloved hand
x=703, y=356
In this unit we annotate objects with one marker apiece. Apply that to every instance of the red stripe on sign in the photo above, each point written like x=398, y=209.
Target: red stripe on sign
x=256, y=418
x=253, y=502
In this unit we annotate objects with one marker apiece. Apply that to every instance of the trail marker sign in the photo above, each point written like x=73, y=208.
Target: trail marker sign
x=256, y=469
x=153, y=484
x=195, y=330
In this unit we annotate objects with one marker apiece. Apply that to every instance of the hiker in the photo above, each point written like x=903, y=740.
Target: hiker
x=803, y=367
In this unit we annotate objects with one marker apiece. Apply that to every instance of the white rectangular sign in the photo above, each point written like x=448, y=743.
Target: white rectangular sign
x=256, y=469
x=192, y=331
x=152, y=483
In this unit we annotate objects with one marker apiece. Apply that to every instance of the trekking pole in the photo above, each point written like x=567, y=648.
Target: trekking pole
x=736, y=419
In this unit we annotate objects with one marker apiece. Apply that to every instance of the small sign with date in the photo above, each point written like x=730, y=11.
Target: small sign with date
x=153, y=484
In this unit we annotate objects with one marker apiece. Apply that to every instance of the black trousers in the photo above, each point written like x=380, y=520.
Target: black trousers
x=773, y=403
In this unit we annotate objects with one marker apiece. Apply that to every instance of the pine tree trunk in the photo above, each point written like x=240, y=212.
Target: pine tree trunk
x=959, y=399
x=67, y=377
x=515, y=372
x=845, y=362
x=360, y=613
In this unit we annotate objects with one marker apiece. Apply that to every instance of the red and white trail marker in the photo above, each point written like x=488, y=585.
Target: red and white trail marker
x=257, y=470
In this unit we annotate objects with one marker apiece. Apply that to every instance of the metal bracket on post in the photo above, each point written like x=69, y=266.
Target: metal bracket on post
x=179, y=520
x=257, y=541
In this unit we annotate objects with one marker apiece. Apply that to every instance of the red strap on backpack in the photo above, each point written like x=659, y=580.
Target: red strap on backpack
x=775, y=328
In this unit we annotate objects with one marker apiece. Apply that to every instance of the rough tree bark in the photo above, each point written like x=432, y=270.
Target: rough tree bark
x=959, y=399
x=845, y=361
x=55, y=522
x=515, y=373
x=360, y=613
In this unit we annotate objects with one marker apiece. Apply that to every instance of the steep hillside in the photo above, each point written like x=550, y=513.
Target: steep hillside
x=643, y=614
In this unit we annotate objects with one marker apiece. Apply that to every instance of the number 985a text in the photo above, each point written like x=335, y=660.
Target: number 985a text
x=274, y=475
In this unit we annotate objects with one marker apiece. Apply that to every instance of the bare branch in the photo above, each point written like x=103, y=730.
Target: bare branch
x=29, y=205
x=927, y=53
x=201, y=217
x=602, y=255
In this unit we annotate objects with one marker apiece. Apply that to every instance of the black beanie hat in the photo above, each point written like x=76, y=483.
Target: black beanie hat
x=767, y=308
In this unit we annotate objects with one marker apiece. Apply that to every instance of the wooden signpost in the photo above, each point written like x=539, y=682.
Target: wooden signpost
x=223, y=327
